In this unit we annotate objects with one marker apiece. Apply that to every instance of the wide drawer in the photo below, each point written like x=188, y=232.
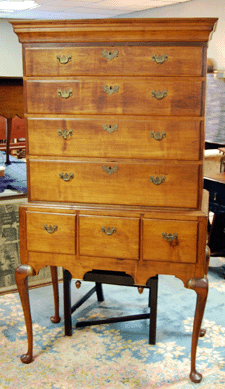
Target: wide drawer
x=168, y=185
x=50, y=232
x=115, y=95
x=118, y=60
x=115, y=137
x=170, y=240
x=110, y=237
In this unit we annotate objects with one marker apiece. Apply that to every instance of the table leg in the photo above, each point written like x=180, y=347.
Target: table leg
x=200, y=286
x=8, y=136
x=67, y=277
x=21, y=274
x=56, y=318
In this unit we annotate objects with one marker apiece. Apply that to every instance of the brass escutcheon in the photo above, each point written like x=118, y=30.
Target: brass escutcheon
x=66, y=176
x=64, y=59
x=110, y=170
x=169, y=237
x=160, y=58
x=157, y=135
x=65, y=134
x=110, y=129
x=108, y=231
x=110, y=54
x=65, y=94
x=111, y=89
x=50, y=229
x=157, y=180
x=159, y=95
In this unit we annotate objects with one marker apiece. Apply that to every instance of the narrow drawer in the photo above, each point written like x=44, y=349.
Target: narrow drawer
x=50, y=232
x=115, y=137
x=116, y=95
x=117, y=60
x=170, y=240
x=167, y=185
x=110, y=237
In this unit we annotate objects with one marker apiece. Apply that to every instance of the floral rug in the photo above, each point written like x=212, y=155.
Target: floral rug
x=115, y=355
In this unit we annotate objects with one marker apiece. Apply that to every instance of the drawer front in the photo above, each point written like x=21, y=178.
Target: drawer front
x=51, y=232
x=115, y=183
x=115, y=137
x=115, y=95
x=129, y=60
x=170, y=240
x=110, y=237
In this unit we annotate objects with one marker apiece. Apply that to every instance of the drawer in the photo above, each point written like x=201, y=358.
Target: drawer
x=50, y=232
x=168, y=185
x=117, y=60
x=115, y=137
x=170, y=240
x=116, y=95
x=110, y=237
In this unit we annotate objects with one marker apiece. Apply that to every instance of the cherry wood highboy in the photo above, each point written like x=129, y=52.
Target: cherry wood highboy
x=115, y=133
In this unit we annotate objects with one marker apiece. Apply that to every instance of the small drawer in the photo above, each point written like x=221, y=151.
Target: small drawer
x=50, y=232
x=114, y=137
x=110, y=237
x=170, y=240
x=116, y=95
x=116, y=60
x=161, y=184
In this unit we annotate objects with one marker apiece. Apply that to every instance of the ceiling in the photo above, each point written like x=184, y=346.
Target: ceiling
x=78, y=9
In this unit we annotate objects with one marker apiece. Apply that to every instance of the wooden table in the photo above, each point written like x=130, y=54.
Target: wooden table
x=11, y=103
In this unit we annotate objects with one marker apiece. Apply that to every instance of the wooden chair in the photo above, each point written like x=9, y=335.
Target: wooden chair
x=16, y=142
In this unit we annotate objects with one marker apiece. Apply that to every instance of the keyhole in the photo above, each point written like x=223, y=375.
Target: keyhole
x=110, y=167
x=110, y=53
x=110, y=126
x=110, y=87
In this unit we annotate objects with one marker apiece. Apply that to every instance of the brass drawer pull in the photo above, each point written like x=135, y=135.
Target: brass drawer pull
x=66, y=177
x=108, y=231
x=110, y=129
x=50, y=229
x=169, y=237
x=110, y=170
x=157, y=135
x=157, y=180
x=64, y=59
x=65, y=134
x=159, y=95
x=65, y=94
x=110, y=54
x=110, y=89
x=160, y=58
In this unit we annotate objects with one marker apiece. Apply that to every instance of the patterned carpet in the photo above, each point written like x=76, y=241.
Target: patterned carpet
x=116, y=355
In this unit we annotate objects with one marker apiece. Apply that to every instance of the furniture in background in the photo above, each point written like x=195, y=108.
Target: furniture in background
x=17, y=145
x=109, y=186
x=215, y=184
x=15, y=175
x=11, y=105
x=114, y=278
x=214, y=163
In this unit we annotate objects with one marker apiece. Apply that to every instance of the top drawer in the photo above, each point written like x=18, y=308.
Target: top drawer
x=118, y=60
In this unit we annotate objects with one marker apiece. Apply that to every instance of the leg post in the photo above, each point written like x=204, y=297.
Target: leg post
x=201, y=288
x=153, y=296
x=99, y=291
x=67, y=302
x=56, y=318
x=21, y=274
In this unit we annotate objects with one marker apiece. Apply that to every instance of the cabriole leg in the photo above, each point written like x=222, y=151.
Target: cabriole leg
x=21, y=274
x=201, y=288
x=56, y=318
